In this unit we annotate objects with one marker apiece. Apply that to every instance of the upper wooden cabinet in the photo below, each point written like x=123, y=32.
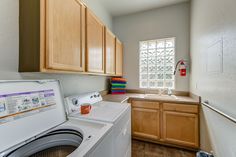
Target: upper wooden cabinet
x=110, y=52
x=52, y=36
x=119, y=58
x=65, y=38
x=95, y=44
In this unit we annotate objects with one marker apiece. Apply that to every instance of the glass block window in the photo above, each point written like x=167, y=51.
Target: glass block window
x=157, y=63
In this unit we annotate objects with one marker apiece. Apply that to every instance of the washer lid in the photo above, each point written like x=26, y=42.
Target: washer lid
x=104, y=111
x=28, y=108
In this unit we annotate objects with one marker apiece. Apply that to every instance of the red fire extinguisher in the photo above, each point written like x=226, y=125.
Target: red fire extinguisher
x=182, y=68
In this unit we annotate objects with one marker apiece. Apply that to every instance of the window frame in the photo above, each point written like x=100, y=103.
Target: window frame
x=164, y=80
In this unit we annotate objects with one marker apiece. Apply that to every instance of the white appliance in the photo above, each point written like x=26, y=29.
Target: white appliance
x=33, y=123
x=115, y=113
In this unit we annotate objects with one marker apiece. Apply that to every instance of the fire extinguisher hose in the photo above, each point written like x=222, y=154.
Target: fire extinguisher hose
x=177, y=66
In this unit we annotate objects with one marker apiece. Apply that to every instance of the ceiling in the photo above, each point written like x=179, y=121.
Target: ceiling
x=123, y=7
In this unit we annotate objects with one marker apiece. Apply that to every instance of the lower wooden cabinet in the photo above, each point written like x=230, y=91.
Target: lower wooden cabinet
x=180, y=128
x=145, y=123
x=170, y=123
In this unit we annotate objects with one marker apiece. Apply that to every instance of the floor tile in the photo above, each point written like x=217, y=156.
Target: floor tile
x=146, y=149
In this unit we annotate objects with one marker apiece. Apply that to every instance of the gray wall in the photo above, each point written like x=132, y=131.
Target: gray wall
x=213, y=73
x=100, y=11
x=172, y=21
x=9, y=53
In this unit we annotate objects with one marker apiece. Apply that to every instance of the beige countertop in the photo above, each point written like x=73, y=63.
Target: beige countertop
x=151, y=97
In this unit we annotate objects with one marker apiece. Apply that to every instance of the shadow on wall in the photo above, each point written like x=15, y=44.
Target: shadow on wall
x=71, y=84
x=205, y=143
x=74, y=84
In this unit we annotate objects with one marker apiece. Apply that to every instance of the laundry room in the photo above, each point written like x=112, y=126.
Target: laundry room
x=106, y=78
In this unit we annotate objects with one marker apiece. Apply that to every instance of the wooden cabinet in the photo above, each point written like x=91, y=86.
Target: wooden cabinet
x=119, y=58
x=52, y=36
x=65, y=38
x=95, y=43
x=145, y=120
x=145, y=123
x=180, y=128
x=168, y=123
x=110, y=52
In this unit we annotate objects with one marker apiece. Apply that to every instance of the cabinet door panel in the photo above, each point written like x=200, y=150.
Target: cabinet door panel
x=145, y=123
x=65, y=35
x=95, y=43
x=119, y=58
x=181, y=128
x=146, y=104
x=180, y=107
x=110, y=52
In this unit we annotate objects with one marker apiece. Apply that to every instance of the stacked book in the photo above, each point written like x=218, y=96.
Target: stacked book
x=118, y=86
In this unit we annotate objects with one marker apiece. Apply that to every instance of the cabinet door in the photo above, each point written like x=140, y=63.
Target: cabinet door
x=181, y=128
x=65, y=35
x=95, y=43
x=119, y=58
x=110, y=43
x=146, y=123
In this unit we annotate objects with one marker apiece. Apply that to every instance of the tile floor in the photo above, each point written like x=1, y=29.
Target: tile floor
x=145, y=149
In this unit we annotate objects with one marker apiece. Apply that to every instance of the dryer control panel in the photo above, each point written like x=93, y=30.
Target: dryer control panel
x=73, y=103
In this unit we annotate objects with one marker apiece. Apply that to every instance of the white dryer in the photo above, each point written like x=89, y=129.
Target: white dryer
x=118, y=114
x=33, y=123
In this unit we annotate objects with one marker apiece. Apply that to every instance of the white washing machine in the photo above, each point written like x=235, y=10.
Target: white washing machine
x=115, y=113
x=33, y=123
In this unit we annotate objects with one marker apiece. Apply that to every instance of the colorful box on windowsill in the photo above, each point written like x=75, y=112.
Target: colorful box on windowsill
x=118, y=86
